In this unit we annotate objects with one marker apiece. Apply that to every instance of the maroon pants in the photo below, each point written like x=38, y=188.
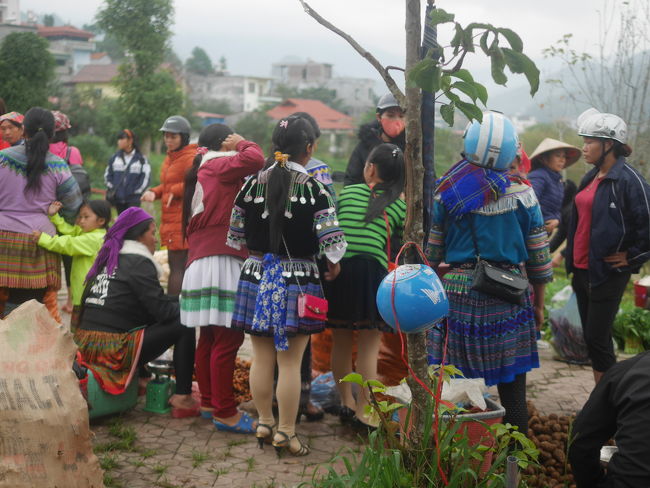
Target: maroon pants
x=215, y=366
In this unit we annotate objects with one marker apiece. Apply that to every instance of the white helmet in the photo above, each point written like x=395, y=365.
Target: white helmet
x=592, y=123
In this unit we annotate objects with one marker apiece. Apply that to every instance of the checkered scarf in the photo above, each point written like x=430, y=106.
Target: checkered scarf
x=467, y=187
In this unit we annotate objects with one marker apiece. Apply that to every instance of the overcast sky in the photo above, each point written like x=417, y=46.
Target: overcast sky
x=252, y=34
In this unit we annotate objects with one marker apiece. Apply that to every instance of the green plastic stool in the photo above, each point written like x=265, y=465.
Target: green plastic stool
x=102, y=403
x=161, y=388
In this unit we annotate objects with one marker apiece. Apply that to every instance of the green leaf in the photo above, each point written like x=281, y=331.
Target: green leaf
x=466, y=88
x=445, y=82
x=498, y=64
x=513, y=39
x=464, y=75
x=440, y=16
x=375, y=383
x=353, y=378
x=483, y=43
x=457, y=40
x=447, y=113
x=426, y=75
x=520, y=63
x=481, y=92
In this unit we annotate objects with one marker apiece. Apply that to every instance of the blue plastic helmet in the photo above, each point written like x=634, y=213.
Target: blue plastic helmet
x=420, y=299
x=492, y=143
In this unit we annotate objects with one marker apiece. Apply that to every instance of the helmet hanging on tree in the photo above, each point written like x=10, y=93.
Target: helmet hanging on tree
x=176, y=124
x=492, y=143
x=420, y=299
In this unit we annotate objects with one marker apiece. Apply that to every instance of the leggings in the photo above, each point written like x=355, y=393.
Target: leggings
x=598, y=306
x=288, y=387
x=160, y=337
x=368, y=344
x=513, y=399
x=176, y=260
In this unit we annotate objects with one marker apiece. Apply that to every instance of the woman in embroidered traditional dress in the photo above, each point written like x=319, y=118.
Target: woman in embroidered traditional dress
x=285, y=217
x=488, y=337
x=370, y=213
x=207, y=299
x=31, y=178
x=127, y=320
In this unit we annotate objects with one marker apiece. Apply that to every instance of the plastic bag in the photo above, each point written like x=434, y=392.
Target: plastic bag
x=568, y=338
x=323, y=391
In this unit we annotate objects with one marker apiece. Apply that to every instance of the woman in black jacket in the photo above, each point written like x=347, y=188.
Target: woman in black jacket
x=127, y=320
x=609, y=234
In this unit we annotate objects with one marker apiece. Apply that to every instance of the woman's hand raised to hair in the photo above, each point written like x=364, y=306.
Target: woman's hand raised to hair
x=333, y=271
x=230, y=143
x=148, y=196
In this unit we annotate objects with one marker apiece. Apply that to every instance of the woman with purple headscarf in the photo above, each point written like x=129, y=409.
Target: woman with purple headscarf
x=127, y=320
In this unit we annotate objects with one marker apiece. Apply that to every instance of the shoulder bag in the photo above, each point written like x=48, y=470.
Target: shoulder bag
x=309, y=306
x=495, y=281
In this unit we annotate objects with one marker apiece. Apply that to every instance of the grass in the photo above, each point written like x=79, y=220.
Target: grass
x=110, y=482
x=198, y=458
x=108, y=462
x=250, y=464
x=147, y=453
x=125, y=438
x=160, y=469
x=218, y=472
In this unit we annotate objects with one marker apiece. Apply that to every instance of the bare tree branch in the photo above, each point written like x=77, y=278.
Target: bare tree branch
x=383, y=72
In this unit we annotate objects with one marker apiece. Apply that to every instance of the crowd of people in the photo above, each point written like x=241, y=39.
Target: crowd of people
x=262, y=245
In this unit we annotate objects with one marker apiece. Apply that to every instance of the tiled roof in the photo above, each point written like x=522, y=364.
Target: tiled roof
x=327, y=117
x=96, y=56
x=96, y=73
x=209, y=115
x=63, y=31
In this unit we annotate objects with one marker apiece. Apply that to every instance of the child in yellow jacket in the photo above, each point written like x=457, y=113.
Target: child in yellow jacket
x=81, y=241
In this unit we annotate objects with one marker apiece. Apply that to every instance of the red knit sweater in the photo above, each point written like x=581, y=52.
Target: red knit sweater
x=219, y=181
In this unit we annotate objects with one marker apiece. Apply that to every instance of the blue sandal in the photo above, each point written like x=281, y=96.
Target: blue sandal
x=244, y=426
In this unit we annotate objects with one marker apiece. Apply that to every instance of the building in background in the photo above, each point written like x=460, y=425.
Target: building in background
x=97, y=78
x=242, y=93
x=337, y=128
x=10, y=12
x=356, y=94
x=71, y=48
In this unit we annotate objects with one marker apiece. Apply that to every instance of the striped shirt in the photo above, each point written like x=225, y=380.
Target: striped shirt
x=367, y=238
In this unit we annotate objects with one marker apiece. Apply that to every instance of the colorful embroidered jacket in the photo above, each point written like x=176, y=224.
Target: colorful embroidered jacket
x=24, y=212
x=310, y=228
x=508, y=230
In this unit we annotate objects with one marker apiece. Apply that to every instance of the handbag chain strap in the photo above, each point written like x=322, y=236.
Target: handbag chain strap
x=286, y=248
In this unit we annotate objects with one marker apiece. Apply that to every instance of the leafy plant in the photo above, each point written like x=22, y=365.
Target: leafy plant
x=435, y=73
x=632, y=330
x=442, y=457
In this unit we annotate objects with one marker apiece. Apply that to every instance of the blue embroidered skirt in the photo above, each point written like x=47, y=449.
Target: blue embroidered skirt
x=488, y=338
x=296, y=271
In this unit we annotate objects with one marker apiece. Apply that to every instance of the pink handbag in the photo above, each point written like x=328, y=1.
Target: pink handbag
x=312, y=307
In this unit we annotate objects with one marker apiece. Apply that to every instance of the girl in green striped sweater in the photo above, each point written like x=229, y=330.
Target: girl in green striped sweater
x=370, y=214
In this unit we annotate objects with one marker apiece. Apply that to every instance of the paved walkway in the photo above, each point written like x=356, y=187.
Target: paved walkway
x=144, y=450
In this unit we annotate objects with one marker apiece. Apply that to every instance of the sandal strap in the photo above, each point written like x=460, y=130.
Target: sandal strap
x=303, y=450
x=267, y=427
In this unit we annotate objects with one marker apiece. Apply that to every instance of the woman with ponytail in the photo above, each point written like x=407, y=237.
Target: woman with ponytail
x=285, y=218
x=370, y=214
x=223, y=159
x=31, y=178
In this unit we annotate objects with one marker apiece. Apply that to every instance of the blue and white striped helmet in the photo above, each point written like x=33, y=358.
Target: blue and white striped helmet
x=492, y=143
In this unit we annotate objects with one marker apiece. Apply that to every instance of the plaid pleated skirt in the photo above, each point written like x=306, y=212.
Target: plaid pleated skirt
x=488, y=337
x=299, y=274
x=24, y=264
x=111, y=356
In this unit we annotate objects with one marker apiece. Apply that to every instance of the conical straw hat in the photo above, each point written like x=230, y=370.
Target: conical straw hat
x=548, y=144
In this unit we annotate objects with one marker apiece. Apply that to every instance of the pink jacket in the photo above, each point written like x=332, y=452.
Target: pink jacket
x=60, y=149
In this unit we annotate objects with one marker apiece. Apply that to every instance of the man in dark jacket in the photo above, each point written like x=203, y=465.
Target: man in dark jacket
x=618, y=407
x=389, y=127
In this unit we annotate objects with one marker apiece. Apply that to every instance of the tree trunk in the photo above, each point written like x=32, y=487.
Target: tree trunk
x=413, y=230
